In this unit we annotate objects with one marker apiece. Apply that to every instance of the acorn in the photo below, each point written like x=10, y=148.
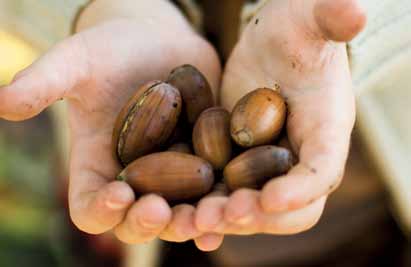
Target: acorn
x=253, y=168
x=194, y=88
x=211, y=137
x=257, y=119
x=147, y=121
x=180, y=147
x=172, y=175
x=285, y=143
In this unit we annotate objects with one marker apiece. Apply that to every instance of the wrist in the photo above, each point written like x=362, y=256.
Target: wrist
x=160, y=12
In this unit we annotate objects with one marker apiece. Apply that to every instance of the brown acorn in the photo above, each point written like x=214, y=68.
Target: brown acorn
x=257, y=119
x=147, y=121
x=173, y=175
x=194, y=88
x=180, y=147
x=253, y=168
x=211, y=137
x=285, y=143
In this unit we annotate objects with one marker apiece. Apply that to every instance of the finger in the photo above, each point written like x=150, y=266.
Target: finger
x=242, y=215
x=144, y=221
x=182, y=226
x=339, y=20
x=210, y=212
x=284, y=223
x=97, y=202
x=99, y=211
x=48, y=79
x=241, y=206
x=209, y=242
x=322, y=160
x=288, y=223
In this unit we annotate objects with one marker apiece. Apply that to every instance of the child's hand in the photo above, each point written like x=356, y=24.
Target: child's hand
x=96, y=71
x=293, y=44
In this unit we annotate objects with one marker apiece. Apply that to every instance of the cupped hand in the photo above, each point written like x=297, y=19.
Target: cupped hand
x=296, y=46
x=96, y=71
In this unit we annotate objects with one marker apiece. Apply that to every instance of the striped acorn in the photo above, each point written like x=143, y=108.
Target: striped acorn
x=211, y=137
x=147, y=121
x=257, y=119
x=256, y=166
x=172, y=175
x=194, y=88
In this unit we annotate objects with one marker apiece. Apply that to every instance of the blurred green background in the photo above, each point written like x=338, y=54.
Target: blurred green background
x=34, y=226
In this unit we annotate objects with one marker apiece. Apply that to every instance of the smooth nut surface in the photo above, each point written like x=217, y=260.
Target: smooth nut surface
x=194, y=88
x=253, y=168
x=173, y=175
x=258, y=117
x=211, y=137
x=147, y=121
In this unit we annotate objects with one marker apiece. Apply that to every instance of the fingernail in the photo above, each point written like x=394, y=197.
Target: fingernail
x=150, y=225
x=244, y=220
x=115, y=205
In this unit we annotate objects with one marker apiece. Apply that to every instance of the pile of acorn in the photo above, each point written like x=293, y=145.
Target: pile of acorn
x=163, y=122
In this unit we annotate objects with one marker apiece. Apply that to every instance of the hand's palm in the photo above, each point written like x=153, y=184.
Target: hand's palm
x=97, y=71
x=285, y=50
x=289, y=46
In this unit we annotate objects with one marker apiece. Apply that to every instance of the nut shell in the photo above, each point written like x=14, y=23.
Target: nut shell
x=173, y=175
x=194, y=88
x=258, y=118
x=211, y=137
x=147, y=121
x=253, y=168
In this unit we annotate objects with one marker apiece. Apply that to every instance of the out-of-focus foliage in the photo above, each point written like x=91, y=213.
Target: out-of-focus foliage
x=27, y=201
x=35, y=229
x=33, y=226
x=25, y=166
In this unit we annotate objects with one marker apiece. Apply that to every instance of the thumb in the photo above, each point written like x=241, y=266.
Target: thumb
x=47, y=80
x=339, y=20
